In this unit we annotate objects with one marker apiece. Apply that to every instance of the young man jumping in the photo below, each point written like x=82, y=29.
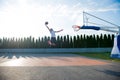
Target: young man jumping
x=53, y=35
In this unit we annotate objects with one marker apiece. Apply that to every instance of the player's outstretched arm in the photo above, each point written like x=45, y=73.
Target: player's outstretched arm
x=59, y=30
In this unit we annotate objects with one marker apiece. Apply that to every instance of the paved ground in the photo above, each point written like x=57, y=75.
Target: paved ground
x=57, y=66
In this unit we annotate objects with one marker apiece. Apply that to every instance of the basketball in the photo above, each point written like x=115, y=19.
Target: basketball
x=46, y=23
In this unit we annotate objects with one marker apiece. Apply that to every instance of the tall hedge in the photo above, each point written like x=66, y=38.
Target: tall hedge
x=78, y=41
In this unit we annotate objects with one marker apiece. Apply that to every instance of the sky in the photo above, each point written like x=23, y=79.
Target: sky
x=24, y=18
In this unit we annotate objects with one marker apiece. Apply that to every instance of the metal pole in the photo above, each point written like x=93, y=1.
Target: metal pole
x=83, y=18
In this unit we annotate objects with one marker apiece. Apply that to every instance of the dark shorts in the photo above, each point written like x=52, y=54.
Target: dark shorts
x=53, y=40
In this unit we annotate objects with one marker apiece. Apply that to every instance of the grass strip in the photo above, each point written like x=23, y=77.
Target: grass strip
x=104, y=56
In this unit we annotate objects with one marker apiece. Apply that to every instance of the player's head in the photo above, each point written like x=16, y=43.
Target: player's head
x=51, y=29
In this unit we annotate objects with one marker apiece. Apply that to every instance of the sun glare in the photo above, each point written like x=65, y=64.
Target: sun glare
x=23, y=20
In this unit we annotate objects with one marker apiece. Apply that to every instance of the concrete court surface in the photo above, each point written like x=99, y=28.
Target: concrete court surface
x=55, y=66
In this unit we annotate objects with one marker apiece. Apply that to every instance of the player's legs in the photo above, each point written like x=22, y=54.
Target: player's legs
x=53, y=41
x=49, y=42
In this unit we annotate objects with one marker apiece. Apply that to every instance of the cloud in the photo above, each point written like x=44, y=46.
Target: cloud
x=97, y=6
x=112, y=7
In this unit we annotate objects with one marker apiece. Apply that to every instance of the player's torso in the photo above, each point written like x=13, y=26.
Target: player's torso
x=52, y=33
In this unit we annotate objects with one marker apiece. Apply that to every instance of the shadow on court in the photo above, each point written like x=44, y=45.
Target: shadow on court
x=110, y=72
x=24, y=55
x=11, y=55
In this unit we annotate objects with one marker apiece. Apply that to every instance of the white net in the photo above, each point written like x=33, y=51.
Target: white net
x=76, y=27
